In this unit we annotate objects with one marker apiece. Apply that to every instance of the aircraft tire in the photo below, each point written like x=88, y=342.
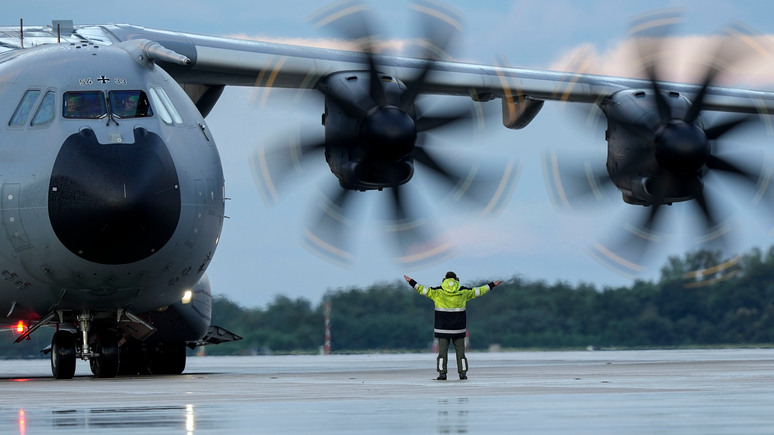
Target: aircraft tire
x=132, y=359
x=176, y=358
x=63, y=355
x=105, y=365
x=167, y=359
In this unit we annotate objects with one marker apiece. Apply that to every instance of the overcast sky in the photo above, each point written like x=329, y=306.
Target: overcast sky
x=261, y=255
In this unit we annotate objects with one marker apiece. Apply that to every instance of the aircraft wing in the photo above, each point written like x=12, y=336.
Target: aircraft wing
x=221, y=61
x=237, y=62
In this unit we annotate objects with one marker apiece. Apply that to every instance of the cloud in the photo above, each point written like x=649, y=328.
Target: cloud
x=381, y=46
x=743, y=60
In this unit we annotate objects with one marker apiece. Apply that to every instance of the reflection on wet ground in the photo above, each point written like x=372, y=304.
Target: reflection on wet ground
x=453, y=415
x=121, y=419
x=143, y=417
x=696, y=391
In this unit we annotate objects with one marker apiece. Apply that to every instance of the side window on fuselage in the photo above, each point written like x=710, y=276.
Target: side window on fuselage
x=84, y=105
x=163, y=104
x=24, y=108
x=45, y=113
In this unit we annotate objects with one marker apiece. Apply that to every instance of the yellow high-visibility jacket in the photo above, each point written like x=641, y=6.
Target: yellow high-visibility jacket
x=450, y=299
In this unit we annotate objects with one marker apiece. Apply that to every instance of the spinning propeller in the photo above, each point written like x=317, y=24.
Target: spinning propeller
x=374, y=133
x=661, y=152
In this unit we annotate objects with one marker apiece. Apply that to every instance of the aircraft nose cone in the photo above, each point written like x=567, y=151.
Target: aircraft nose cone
x=114, y=203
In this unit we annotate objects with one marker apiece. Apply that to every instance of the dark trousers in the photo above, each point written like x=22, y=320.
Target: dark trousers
x=443, y=352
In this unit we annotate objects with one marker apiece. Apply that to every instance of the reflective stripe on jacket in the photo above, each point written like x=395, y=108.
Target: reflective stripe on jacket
x=450, y=299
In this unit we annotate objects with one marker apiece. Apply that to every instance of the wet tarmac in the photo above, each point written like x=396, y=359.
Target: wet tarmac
x=605, y=392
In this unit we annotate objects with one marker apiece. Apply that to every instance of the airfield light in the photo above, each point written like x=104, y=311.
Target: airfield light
x=187, y=297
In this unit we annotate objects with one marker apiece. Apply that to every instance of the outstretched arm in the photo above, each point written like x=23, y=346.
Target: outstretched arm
x=481, y=290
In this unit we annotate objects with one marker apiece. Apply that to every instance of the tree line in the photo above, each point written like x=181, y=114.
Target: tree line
x=728, y=305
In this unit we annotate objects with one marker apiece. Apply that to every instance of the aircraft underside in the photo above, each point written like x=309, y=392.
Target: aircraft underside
x=107, y=359
x=127, y=346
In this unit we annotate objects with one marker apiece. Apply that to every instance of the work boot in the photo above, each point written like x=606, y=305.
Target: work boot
x=463, y=376
x=441, y=377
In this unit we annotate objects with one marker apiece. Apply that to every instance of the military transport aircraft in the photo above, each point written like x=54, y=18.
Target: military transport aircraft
x=113, y=191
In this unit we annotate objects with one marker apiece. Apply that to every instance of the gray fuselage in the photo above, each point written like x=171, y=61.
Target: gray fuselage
x=101, y=211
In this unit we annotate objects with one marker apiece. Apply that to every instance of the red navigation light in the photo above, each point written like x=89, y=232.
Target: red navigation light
x=20, y=327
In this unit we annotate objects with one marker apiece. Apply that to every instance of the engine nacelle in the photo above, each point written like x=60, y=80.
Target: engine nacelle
x=367, y=143
x=632, y=123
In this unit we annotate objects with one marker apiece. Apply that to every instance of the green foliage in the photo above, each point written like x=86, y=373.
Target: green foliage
x=286, y=325
x=384, y=316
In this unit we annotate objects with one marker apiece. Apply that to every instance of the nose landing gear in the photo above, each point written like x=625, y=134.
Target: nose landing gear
x=105, y=340
x=101, y=351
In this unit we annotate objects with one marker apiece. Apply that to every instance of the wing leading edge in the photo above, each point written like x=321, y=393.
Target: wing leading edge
x=222, y=61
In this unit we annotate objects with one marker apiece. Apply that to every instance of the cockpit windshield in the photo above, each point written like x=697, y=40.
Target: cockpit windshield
x=84, y=105
x=92, y=104
x=129, y=104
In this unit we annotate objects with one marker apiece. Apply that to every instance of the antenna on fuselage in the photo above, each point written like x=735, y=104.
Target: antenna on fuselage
x=65, y=26
x=21, y=32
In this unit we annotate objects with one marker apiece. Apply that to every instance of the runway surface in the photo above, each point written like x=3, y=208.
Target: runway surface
x=606, y=392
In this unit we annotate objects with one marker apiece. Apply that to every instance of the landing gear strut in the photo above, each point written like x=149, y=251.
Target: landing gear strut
x=117, y=342
x=66, y=346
